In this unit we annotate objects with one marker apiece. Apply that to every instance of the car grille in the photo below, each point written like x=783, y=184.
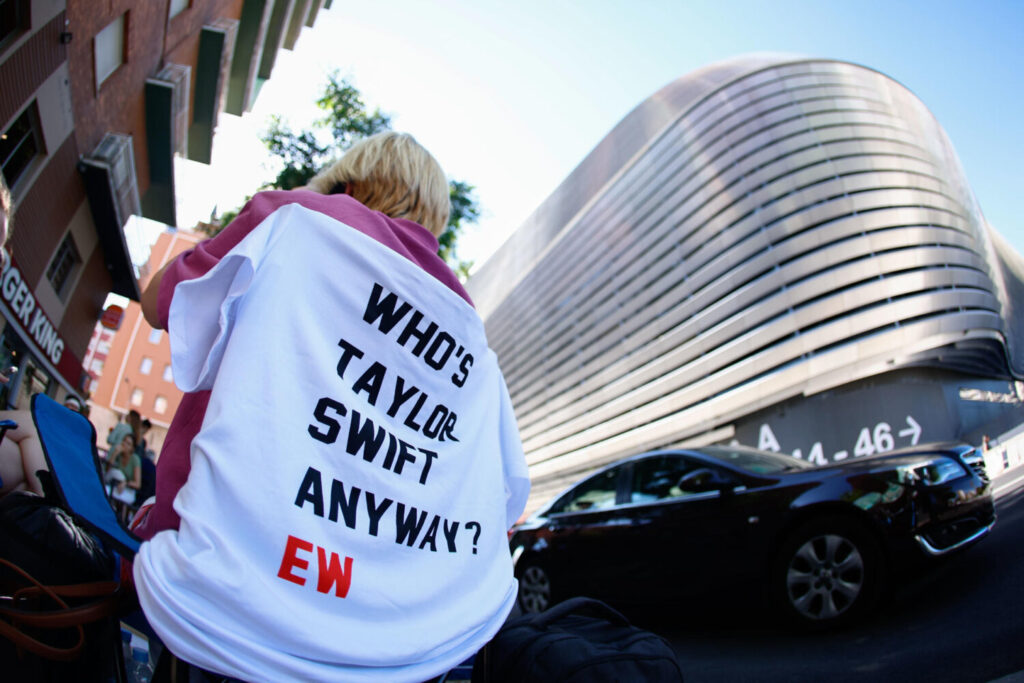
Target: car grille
x=976, y=463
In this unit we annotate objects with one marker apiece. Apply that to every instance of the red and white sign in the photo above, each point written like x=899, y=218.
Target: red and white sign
x=35, y=326
x=112, y=317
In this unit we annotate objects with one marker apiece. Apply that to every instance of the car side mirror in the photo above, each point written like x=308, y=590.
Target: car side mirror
x=703, y=479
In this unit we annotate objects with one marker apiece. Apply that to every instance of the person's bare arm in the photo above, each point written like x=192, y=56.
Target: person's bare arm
x=149, y=299
x=21, y=455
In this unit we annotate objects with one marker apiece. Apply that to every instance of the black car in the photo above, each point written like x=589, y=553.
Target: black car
x=821, y=540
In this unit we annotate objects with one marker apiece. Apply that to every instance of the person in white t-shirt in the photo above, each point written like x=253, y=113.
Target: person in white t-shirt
x=345, y=516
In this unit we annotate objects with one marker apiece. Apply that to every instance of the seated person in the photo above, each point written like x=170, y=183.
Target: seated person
x=21, y=452
x=124, y=471
x=351, y=523
x=132, y=424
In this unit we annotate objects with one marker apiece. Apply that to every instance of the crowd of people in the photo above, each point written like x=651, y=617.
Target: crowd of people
x=128, y=463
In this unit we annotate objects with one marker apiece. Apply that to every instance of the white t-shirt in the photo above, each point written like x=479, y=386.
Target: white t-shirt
x=359, y=464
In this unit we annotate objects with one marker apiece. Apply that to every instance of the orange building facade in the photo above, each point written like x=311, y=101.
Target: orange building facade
x=131, y=367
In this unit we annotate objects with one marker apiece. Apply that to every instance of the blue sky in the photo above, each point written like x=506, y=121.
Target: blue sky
x=510, y=96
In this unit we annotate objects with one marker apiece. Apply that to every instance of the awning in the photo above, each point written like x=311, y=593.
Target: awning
x=110, y=184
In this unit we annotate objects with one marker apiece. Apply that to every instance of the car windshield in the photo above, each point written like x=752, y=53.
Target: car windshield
x=753, y=460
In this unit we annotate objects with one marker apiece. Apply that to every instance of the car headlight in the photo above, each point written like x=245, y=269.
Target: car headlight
x=934, y=472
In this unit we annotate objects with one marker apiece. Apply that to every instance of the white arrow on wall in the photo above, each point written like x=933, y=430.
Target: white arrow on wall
x=913, y=431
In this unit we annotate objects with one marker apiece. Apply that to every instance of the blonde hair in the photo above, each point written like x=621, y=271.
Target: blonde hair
x=391, y=173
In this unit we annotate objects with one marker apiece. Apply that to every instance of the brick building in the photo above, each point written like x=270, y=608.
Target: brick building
x=96, y=100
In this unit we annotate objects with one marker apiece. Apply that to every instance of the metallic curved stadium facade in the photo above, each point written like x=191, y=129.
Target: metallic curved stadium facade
x=777, y=250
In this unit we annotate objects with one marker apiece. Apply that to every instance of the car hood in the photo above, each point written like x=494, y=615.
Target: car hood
x=864, y=465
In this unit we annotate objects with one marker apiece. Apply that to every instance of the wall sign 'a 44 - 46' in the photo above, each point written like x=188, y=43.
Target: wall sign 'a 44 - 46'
x=880, y=438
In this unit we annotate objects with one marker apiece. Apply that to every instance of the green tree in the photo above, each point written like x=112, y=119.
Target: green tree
x=346, y=120
x=464, y=209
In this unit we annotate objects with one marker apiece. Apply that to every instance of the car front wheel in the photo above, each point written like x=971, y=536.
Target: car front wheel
x=535, y=592
x=828, y=573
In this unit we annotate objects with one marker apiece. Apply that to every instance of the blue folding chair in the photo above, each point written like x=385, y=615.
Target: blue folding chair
x=69, y=444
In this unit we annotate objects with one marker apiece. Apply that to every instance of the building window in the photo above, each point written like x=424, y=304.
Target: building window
x=146, y=365
x=13, y=19
x=63, y=265
x=97, y=366
x=20, y=145
x=108, y=49
x=168, y=376
x=160, y=405
x=154, y=336
x=177, y=7
x=136, y=397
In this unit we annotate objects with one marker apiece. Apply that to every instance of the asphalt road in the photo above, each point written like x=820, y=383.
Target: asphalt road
x=963, y=621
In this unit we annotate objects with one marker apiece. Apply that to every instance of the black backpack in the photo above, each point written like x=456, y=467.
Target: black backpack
x=581, y=640
x=69, y=629
x=44, y=540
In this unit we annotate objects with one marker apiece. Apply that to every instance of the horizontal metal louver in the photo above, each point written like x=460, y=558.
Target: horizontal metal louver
x=793, y=227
